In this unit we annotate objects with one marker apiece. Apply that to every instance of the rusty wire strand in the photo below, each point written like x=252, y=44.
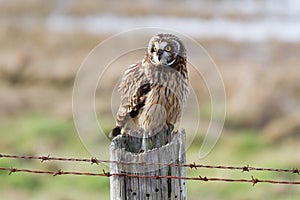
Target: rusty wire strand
x=253, y=180
x=94, y=160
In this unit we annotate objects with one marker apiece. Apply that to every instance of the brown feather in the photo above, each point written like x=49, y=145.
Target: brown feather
x=152, y=96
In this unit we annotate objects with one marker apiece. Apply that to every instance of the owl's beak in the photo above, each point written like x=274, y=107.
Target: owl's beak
x=159, y=54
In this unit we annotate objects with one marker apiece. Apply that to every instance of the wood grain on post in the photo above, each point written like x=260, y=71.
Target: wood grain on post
x=165, y=148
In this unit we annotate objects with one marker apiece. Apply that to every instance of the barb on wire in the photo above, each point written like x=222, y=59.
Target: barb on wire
x=193, y=165
x=253, y=180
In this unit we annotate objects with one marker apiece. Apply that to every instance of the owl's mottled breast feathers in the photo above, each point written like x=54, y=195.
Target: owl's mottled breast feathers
x=153, y=95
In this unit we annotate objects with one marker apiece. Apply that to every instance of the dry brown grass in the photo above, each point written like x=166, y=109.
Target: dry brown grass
x=261, y=79
x=37, y=71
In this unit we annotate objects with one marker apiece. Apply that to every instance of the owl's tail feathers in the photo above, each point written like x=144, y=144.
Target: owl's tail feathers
x=114, y=132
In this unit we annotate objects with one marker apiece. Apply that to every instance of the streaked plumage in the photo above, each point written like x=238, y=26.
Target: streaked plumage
x=154, y=90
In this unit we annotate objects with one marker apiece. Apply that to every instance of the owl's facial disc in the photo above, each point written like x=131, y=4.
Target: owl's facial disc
x=162, y=53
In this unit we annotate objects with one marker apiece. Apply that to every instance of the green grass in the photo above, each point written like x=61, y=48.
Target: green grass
x=37, y=134
x=239, y=148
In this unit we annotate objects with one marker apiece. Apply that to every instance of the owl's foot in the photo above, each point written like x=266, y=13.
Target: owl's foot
x=170, y=128
x=114, y=132
x=141, y=151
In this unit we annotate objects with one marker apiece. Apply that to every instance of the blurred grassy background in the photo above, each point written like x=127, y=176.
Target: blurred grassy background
x=42, y=44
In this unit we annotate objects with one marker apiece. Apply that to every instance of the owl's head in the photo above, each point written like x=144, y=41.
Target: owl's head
x=166, y=49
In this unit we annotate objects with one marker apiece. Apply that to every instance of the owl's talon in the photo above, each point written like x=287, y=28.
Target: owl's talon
x=141, y=151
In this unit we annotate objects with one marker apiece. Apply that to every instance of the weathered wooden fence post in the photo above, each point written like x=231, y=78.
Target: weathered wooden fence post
x=166, y=148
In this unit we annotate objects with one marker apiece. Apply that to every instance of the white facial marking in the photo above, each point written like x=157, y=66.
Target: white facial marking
x=165, y=55
x=163, y=45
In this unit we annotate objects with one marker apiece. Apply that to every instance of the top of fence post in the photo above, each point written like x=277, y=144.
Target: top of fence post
x=168, y=149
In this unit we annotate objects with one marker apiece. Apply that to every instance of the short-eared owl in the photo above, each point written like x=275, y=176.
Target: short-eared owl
x=154, y=90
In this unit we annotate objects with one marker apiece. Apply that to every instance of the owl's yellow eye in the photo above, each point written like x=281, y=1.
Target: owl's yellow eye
x=154, y=49
x=168, y=48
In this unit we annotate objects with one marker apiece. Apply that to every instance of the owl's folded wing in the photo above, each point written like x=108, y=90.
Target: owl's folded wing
x=133, y=89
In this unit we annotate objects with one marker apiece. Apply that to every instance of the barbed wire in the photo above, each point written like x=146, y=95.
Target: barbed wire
x=195, y=166
x=94, y=160
x=253, y=180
